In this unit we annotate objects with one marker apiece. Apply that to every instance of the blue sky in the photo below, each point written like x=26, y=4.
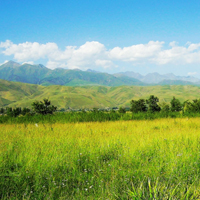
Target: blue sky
x=110, y=36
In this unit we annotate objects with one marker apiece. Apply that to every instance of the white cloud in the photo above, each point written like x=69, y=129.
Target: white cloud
x=136, y=52
x=105, y=63
x=179, y=55
x=95, y=55
x=28, y=62
x=29, y=51
x=6, y=44
x=4, y=62
x=192, y=73
x=55, y=64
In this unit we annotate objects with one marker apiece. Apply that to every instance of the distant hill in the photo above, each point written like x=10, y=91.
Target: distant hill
x=176, y=82
x=156, y=78
x=39, y=74
x=22, y=94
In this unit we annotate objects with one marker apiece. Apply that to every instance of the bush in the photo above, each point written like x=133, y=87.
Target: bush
x=44, y=107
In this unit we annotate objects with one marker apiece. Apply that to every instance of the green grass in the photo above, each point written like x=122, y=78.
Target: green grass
x=15, y=94
x=156, y=159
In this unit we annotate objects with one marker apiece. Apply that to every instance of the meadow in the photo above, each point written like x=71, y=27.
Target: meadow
x=143, y=159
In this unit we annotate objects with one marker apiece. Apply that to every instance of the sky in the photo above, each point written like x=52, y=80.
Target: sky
x=108, y=35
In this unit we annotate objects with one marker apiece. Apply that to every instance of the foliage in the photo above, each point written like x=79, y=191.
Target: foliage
x=138, y=106
x=2, y=110
x=25, y=111
x=175, y=105
x=122, y=110
x=152, y=104
x=164, y=107
x=14, y=112
x=192, y=106
x=43, y=107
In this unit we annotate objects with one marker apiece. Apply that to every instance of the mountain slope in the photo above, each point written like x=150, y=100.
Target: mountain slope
x=39, y=74
x=21, y=94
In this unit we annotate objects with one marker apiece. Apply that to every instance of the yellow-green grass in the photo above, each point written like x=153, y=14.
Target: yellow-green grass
x=15, y=94
x=157, y=159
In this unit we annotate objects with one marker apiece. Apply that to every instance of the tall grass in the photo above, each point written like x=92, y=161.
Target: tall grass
x=69, y=117
x=157, y=159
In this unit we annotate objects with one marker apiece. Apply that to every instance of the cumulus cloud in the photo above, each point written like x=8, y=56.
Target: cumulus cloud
x=28, y=50
x=179, y=55
x=105, y=63
x=55, y=64
x=6, y=44
x=94, y=54
x=136, y=52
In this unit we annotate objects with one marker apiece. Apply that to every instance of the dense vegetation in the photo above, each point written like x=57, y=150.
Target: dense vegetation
x=156, y=159
x=139, y=109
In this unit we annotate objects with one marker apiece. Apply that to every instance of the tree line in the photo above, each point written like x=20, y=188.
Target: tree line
x=150, y=105
x=40, y=107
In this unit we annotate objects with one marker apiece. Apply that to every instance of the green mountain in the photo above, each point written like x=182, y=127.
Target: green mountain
x=39, y=74
x=22, y=94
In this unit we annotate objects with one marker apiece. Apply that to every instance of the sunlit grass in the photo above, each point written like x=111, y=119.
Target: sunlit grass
x=157, y=159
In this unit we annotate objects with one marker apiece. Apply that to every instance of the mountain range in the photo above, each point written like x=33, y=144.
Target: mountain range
x=41, y=75
x=156, y=78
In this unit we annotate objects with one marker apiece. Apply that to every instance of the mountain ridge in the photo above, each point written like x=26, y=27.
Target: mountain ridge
x=41, y=75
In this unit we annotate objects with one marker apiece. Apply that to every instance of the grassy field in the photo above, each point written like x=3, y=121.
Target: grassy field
x=14, y=94
x=157, y=159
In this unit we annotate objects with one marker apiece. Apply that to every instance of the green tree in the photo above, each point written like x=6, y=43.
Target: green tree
x=2, y=110
x=152, y=103
x=138, y=106
x=16, y=111
x=43, y=107
x=164, y=107
x=122, y=110
x=9, y=111
x=175, y=105
x=192, y=106
x=25, y=111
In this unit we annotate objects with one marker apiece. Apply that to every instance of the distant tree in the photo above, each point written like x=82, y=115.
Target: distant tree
x=9, y=111
x=152, y=103
x=175, y=105
x=122, y=110
x=138, y=106
x=196, y=105
x=43, y=107
x=25, y=111
x=13, y=112
x=164, y=107
x=192, y=106
x=95, y=110
x=16, y=111
x=2, y=110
